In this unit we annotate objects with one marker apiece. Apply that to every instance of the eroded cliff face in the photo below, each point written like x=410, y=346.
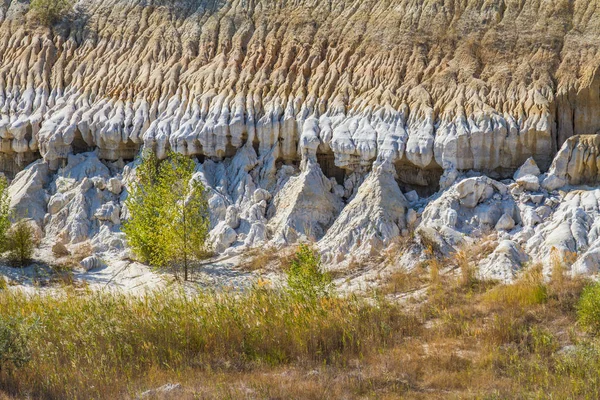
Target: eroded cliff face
x=429, y=84
x=301, y=113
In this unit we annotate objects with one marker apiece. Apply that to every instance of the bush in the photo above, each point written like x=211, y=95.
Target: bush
x=304, y=276
x=48, y=12
x=20, y=242
x=14, y=352
x=4, y=212
x=588, y=309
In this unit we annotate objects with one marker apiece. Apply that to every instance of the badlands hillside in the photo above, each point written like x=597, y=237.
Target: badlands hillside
x=355, y=124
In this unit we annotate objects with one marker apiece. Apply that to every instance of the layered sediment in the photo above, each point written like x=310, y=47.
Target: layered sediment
x=478, y=85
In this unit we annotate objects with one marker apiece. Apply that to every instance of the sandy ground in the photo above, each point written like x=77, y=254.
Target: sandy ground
x=131, y=277
x=126, y=276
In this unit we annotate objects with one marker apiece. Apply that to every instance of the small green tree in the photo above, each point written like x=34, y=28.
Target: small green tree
x=168, y=213
x=4, y=212
x=304, y=276
x=143, y=204
x=48, y=12
x=20, y=243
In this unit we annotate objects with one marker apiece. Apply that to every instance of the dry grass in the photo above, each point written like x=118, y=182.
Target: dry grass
x=528, y=291
x=105, y=346
x=398, y=246
x=486, y=340
x=468, y=257
x=67, y=261
x=261, y=258
x=403, y=281
x=60, y=250
x=81, y=251
x=466, y=339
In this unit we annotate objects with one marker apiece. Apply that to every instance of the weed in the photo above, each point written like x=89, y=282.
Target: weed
x=402, y=281
x=304, y=276
x=588, y=309
x=14, y=350
x=261, y=258
x=96, y=344
x=20, y=243
x=529, y=290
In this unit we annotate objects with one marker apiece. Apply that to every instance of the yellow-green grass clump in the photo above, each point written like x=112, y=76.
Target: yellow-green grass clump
x=99, y=345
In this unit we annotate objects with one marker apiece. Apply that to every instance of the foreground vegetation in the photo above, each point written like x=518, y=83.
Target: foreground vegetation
x=429, y=333
x=100, y=345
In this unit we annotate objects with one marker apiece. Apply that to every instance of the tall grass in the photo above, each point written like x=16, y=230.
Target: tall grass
x=99, y=345
x=588, y=308
x=462, y=338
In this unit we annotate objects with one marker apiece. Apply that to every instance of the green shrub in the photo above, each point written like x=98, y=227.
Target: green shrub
x=588, y=308
x=4, y=212
x=14, y=352
x=20, y=243
x=304, y=276
x=48, y=12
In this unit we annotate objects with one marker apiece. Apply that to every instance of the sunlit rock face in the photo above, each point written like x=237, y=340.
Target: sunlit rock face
x=302, y=114
x=431, y=84
x=577, y=163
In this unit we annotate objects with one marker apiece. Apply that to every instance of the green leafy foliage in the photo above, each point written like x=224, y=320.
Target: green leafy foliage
x=142, y=204
x=304, y=277
x=588, y=310
x=14, y=351
x=168, y=223
x=20, y=243
x=48, y=12
x=4, y=212
x=18, y=240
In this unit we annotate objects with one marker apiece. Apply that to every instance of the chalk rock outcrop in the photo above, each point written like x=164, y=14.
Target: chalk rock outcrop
x=370, y=221
x=577, y=163
x=529, y=168
x=28, y=195
x=574, y=227
x=92, y=262
x=504, y=263
x=346, y=79
x=304, y=208
x=80, y=207
x=470, y=206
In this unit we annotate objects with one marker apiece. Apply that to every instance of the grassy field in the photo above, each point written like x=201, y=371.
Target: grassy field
x=460, y=338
